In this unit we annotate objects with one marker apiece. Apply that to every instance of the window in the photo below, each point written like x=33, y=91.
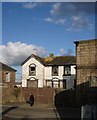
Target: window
x=55, y=70
x=32, y=82
x=55, y=83
x=32, y=70
x=7, y=77
x=67, y=70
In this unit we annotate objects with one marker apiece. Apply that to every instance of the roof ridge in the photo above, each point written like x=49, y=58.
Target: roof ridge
x=66, y=56
x=36, y=56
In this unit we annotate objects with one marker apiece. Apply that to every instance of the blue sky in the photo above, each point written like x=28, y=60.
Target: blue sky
x=44, y=27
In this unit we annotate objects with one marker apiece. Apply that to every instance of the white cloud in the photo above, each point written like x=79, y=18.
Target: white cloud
x=78, y=12
x=48, y=19
x=78, y=23
x=67, y=9
x=14, y=53
x=29, y=5
x=60, y=21
x=55, y=21
x=55, y=8
x=68, y=52
x=62, y=51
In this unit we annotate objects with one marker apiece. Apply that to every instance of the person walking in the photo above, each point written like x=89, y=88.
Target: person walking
x=31, y=100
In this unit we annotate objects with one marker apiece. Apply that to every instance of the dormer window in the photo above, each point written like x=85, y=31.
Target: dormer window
x=32, y=70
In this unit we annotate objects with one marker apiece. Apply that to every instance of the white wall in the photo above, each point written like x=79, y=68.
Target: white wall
x=73, y=70
x=69, y=79
x=61, y=72
x=39, y=72
x=45, y=73
x=48, y=72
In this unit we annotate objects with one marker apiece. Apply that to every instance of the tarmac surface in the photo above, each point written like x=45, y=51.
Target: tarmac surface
x=41, y=111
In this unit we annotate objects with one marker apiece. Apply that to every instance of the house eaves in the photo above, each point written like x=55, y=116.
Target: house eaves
x=6, y=67
x=39, y=59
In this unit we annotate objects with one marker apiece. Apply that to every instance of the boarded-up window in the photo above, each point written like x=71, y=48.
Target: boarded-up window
x=32, y=83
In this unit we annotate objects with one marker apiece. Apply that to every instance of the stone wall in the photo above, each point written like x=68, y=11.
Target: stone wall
x=86, y=62
x=86, y=52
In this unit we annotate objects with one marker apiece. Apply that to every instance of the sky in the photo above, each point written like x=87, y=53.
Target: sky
x=42, y=28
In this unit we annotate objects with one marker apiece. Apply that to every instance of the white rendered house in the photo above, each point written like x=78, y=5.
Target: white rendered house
x=57, y=72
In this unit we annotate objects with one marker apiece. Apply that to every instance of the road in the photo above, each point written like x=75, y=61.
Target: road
x=27, y=112
x=43, y=112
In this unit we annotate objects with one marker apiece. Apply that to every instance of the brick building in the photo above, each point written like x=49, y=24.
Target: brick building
x=86, y=65
x=7, y=75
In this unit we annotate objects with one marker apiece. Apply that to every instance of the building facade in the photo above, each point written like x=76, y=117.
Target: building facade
x=86, y=69
x=8, y=75
x=55, y=72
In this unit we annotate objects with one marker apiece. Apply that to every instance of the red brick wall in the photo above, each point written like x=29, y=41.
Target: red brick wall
x=41, y=95
x=7, y=95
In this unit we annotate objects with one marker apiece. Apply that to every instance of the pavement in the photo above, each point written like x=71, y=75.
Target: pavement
x=24, y=110
x=37, y=106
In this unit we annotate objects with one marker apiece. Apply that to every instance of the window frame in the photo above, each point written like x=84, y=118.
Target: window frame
x=7, y=77
x=33, y=72
x=68, y=69
x=53, y=74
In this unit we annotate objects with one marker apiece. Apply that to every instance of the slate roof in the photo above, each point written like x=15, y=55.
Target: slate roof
x=58, y=60
x=6, y=67
x=63, y=60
